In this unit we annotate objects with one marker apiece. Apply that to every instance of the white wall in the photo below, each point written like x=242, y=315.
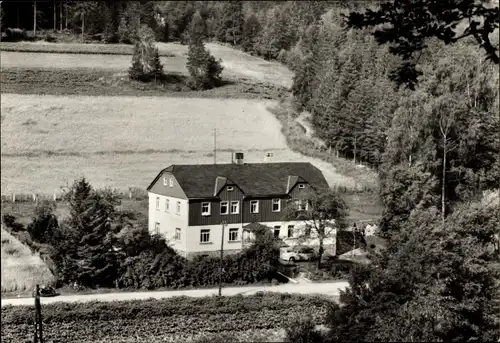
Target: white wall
x=169, y=220
x=193, y=236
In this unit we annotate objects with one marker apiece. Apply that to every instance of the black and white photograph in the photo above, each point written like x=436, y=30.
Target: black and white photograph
x=250, y=171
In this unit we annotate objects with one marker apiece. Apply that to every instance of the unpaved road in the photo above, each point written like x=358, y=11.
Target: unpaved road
x=328, y=289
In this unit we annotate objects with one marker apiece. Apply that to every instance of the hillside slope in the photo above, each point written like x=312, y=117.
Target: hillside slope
x=21, y=269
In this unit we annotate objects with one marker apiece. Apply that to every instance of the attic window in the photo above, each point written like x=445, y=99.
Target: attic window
x=165, y=181
x=301, y=185
x=171, y=181
x=230, y=188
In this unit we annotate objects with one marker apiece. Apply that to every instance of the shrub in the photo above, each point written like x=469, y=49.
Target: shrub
x=12, y=224
x=341, y=268
x=50, y=38
x=15, y=35
x=302, y=330
x=44, y=223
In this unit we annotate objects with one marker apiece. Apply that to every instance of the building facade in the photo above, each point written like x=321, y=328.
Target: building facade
x=190, y=204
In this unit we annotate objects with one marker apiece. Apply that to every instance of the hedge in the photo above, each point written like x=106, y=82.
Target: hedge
x=160, y=320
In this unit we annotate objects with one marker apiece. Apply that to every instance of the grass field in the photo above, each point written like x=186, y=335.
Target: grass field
x=74, y=48
x=93, y=82
x=236, y=64
x=21, y=269
x=48, y=141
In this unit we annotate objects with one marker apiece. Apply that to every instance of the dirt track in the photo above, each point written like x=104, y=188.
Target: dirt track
x=328, y=289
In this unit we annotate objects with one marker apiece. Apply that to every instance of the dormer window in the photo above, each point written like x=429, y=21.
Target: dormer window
x=171, y=181
x=301, y=185
x=230, y=188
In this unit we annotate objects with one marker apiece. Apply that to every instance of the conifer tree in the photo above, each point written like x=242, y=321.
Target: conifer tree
x=146, y=65
x=204, y=70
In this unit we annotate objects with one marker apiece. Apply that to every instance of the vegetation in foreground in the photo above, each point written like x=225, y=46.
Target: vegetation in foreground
x=99, y=245
x=174, y=319
x=21, y=268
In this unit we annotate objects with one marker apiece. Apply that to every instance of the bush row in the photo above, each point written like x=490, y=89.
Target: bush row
x=175, y=306
x=137, y=333
x=176, y=319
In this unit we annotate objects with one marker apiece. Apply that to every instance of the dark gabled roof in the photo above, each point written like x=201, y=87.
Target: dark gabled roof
x=262, y=179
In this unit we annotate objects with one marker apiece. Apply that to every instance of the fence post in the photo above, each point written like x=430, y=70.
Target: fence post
x=55, y=197
x=38, y=334
x=13, y=197
x=34, y=197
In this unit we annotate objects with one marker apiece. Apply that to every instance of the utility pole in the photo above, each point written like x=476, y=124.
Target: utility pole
x=221, y=258
x=215, y=146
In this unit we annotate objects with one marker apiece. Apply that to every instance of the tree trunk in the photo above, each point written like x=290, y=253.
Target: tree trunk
x=34, y=20
x=55, y=19
x=320, y=252
x=443, y=186
x=66, y=16
x=355, y=148
x=60, y=17
x=83, y=26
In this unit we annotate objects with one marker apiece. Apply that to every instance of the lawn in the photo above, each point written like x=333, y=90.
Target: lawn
x=21, y=269
x=122, y=142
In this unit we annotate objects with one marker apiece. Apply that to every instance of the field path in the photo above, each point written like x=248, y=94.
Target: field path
x=328, y=289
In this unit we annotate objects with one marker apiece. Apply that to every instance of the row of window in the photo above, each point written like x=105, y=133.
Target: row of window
x=234, y=208
x=205, y=235
x=233, y=233
x=167, y=205
x=177, y=236
x=231, y=208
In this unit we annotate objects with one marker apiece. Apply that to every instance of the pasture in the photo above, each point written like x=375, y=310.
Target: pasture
x=122, y=142
x=21, y=269
x=236, y=64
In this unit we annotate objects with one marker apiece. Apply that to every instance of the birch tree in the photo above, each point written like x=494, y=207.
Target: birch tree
x=322, y=214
